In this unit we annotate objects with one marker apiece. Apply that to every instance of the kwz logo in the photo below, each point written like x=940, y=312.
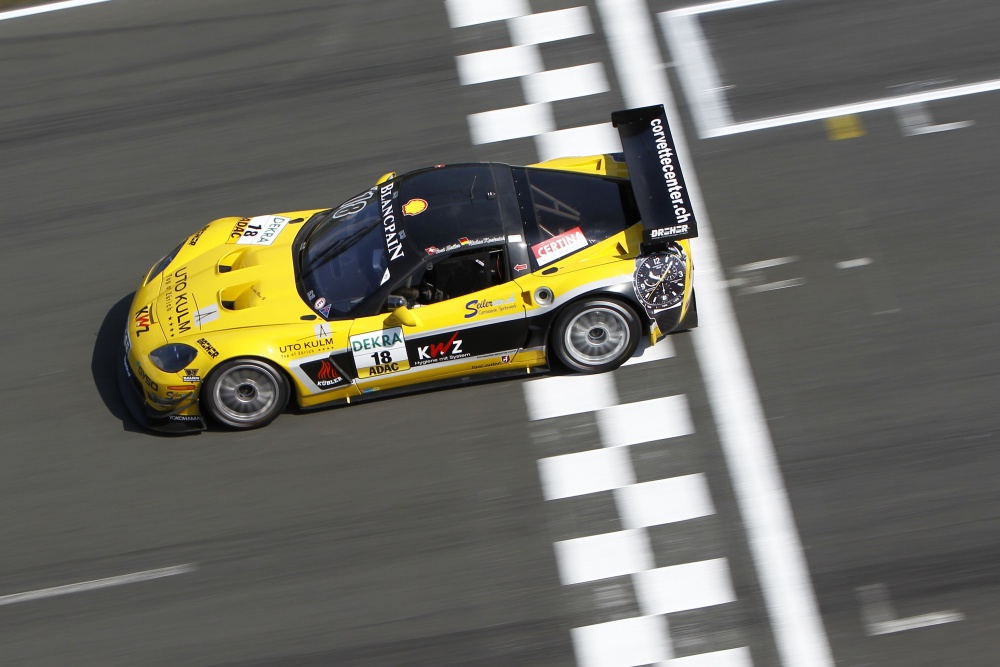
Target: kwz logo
x=448, y=348
x=142, y=321
x=324, y=373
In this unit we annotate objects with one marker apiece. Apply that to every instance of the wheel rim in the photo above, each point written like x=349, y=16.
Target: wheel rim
x=245, y=393
x=596, y=336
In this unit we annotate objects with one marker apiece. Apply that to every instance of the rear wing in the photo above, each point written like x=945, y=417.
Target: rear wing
x=655, y=172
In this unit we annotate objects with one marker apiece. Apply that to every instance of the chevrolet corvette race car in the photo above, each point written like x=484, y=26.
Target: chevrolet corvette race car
x=442, y=275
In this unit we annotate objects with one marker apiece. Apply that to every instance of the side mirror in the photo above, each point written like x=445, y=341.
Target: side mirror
x=405, y=316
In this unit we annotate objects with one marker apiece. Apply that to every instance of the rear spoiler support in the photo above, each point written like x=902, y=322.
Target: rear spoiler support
x=655, y=172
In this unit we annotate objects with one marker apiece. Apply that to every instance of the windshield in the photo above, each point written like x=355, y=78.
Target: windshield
x=346, y=258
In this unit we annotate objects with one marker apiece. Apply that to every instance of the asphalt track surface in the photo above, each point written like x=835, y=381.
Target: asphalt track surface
x=413, y=530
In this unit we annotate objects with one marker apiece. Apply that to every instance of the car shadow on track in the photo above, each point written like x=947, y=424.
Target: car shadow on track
x=104, y=366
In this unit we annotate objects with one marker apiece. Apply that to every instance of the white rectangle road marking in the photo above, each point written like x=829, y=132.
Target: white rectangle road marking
x=646, y=353
x=585, y=472
x=55, y=6
x=666, y=590
x=764, y=264
x=550, y=26
x=585, y=140
x=602, y=556
x=96, y=584
x=746, y=442
x=507, y=63
x=625, y=643
x=720, y=6
x=564, y=84
x=735, y=657
x=511, y=123
x=463, y=13
x=644, y=421
x=558, y=396
x=664, y=500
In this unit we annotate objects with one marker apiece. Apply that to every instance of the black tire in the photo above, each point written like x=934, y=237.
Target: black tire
x=595, y=335
x=245, y=393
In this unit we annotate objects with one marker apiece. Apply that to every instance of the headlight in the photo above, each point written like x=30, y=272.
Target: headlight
x=162, y=264
x=173, y=357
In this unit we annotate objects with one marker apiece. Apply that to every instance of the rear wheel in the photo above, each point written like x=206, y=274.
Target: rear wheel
x=595, y=335
x=245, y=393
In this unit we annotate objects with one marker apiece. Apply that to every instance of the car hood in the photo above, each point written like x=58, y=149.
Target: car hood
x=217, y=283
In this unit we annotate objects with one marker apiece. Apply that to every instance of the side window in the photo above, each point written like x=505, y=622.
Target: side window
x=565, y=212
x=454, y=276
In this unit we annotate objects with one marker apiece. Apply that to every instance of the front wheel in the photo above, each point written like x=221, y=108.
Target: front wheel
x=595, y=335
x=245, y=393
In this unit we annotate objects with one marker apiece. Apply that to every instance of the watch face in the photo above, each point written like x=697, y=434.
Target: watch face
x=659, y=280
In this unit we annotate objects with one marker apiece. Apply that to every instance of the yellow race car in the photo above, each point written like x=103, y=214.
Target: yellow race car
x=442, y=275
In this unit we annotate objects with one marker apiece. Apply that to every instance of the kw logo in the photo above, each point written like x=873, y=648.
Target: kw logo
x=437, y=350
x=142, y=321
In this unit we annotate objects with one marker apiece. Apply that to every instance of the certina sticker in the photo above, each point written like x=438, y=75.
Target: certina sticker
x=415, y=207
x=259, y=230
x=320, y=302
x=559, y=246
x=380, y=352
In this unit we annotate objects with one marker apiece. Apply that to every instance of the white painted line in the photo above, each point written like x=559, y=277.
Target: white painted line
x=666, y=590
x=855, y=108
x=569, y=395
x=768, y=287
x=764, y=264
x=473, y=12
x=853, y=263
x=734, y=657
x=879, y=616
x=720, y=6
x=508, y=63
x=95, y=584
x=645, y=421
x=511, y=123
x=550, y=26
x=664, y=349
x=697, y=71
x=664, y=500
x=585, y=472
x=585, y=140
x=55, y=6
x=564, y=84
x=602, y=556
x=746, y=443
x=943, y=127
x=915, y=622
x=624, y=643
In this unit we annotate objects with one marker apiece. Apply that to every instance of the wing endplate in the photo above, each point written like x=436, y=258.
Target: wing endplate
x=655, y=172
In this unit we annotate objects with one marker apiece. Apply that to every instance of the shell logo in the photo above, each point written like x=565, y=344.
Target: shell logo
x=414, y=207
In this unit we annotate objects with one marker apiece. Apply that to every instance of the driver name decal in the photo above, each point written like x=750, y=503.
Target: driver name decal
x=380, y=352
x=559, y=246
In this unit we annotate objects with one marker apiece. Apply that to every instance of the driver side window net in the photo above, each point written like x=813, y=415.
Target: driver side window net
x=456, y=275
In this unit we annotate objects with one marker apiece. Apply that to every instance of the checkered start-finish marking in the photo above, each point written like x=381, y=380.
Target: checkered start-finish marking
x=523, y=60
x=639, y=633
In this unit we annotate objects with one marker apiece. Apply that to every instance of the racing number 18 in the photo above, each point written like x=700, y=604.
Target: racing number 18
x=249, y=231
x=382, y=357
